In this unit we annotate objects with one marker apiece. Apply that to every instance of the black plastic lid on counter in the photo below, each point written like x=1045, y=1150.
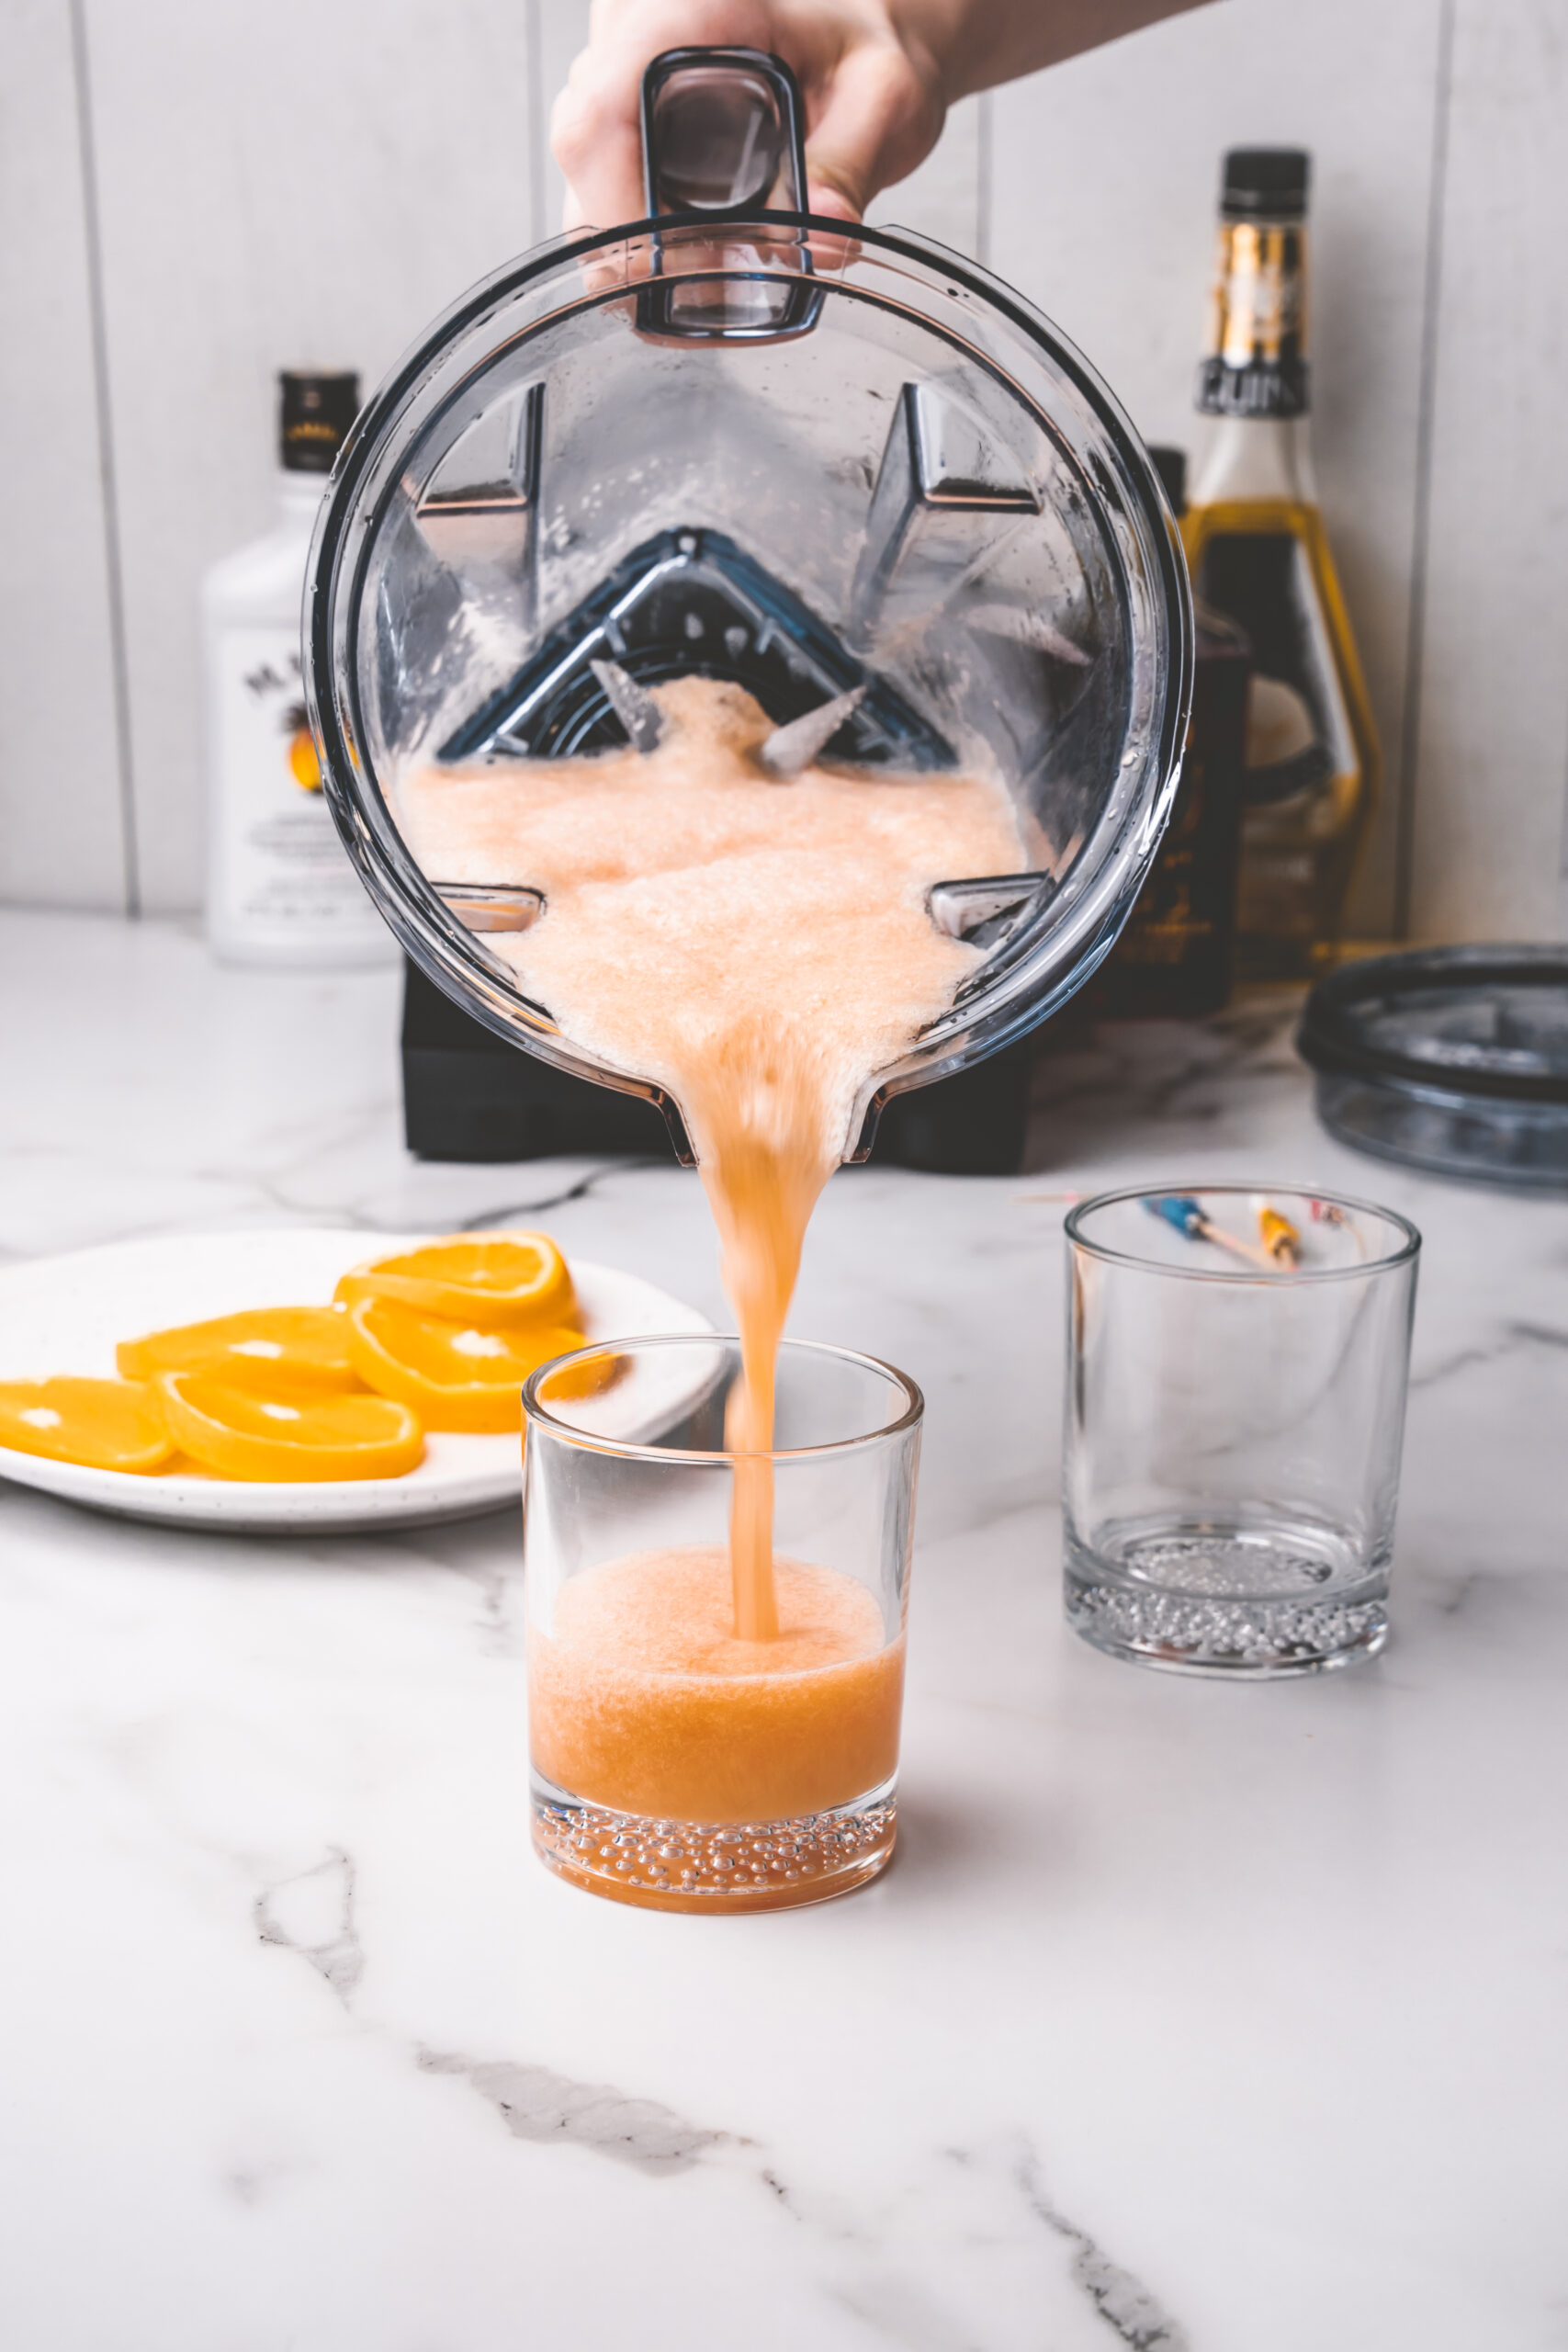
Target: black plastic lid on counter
x=1265, y=183
x=1449, y=1058
x=317, y=408
x=1490, y=1020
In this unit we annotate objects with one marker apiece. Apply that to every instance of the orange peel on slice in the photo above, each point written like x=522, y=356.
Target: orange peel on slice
x=455, y=1375
x=100, y=1424
x=568, y=1382
x=488, y=1281
x=280, y=1347
x=241, y=1433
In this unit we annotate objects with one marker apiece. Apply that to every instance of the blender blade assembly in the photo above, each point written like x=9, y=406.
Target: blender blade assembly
x=691, y=601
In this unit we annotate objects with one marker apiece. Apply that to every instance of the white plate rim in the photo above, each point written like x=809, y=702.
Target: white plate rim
x=486, y=1477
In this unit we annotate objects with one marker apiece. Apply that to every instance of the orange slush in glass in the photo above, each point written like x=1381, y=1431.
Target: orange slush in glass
x=676, y=1762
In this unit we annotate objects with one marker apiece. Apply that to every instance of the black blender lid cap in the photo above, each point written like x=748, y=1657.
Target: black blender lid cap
x=1266, y=183
x=1487, y=1021
x=318, y=407
x=1171, y=467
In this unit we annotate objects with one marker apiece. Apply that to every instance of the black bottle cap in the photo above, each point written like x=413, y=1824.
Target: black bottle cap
x=1171, y=467
x=1266, y=183
x=319, y=406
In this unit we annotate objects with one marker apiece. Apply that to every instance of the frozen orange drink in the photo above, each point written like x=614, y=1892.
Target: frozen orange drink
x=646, y=1701
x=760, y=948
x=676, y=1761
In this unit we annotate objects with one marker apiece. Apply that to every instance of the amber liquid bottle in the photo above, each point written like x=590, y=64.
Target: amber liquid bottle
x=1257, y=550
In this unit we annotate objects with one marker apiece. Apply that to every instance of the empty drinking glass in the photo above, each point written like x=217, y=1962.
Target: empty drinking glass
x=1236, y=1366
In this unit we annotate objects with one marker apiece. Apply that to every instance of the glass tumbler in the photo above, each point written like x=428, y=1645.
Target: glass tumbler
x=714, y=1723
x=1236, y=1366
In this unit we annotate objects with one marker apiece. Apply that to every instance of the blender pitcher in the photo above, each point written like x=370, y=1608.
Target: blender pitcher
x=846, y=469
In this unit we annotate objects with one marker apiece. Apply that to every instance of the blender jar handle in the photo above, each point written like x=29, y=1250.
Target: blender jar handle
x=722, y=141
x=721, y=134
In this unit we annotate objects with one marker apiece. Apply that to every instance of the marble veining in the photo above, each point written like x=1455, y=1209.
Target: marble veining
x=312, y=1913
x=1187, y=2018
x=533, y=2104
x=1120, y=2300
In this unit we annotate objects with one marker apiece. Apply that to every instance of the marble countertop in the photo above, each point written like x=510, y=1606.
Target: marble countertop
x=1191, y=2018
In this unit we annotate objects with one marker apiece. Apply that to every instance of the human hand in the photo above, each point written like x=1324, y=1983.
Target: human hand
x=873, y=105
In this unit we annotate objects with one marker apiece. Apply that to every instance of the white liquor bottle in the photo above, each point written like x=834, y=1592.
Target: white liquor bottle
x=281, y=885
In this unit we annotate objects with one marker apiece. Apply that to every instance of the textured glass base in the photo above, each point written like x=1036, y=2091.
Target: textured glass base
x=1259, y=1598
x=714, y=1866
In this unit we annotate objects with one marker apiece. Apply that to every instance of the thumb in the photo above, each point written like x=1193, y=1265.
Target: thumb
x=879, y=120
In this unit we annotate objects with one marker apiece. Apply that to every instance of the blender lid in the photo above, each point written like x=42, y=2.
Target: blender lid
x=1489, y=1022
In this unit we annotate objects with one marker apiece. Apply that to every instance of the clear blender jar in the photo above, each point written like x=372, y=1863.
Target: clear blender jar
x=846, y=469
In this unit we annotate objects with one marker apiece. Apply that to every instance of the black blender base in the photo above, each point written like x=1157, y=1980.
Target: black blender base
x=468, y=1095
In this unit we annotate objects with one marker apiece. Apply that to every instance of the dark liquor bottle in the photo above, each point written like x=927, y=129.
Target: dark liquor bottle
x=1257, y=551
x=1177, y=952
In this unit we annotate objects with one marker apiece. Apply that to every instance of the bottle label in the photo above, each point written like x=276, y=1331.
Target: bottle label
x=1255, y=363
x=1305, y=789
x=1300, y=740
x=281, y=875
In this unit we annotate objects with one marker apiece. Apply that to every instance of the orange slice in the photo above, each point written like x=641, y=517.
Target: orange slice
x=455, y=1376
x=487, y=1281
x=587, y=1379
x=266, y=1347
x=102, y=1424
x=242, y=1434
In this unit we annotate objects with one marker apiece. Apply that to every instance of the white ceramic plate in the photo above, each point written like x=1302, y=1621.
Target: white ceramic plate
x=59, y=1315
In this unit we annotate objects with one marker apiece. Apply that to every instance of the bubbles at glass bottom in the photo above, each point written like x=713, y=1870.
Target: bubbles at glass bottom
x=1256, y=1595
x=666, y=1865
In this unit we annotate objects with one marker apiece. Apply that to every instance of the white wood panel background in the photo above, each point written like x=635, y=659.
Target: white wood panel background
x=282, y=182
x=312, y=179
x=1488, y=817
x=63, y=838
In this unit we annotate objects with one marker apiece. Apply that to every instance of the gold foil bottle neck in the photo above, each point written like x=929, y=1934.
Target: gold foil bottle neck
x=1257, y=309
